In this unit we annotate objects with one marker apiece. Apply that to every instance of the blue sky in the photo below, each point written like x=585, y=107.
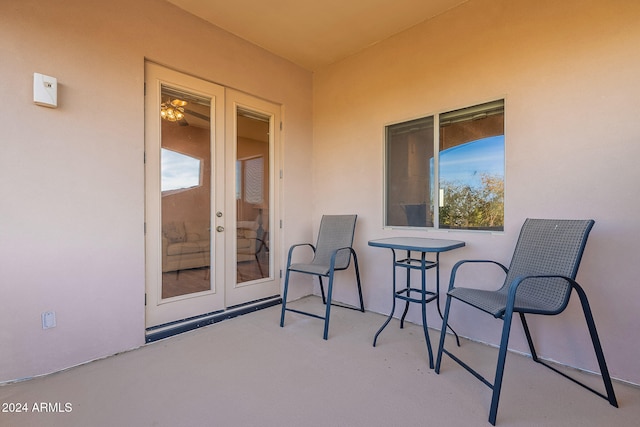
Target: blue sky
x=463, y=163
x=467, y=162
x=179, y=170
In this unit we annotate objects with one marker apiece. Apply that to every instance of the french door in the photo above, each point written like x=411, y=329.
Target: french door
x=210, y=157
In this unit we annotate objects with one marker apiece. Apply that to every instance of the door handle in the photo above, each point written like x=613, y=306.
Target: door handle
x=219, y=229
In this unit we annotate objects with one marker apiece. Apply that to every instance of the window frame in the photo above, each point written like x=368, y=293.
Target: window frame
x=437, y=196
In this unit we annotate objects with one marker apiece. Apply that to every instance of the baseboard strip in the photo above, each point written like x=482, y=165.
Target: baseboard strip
x=173, y=328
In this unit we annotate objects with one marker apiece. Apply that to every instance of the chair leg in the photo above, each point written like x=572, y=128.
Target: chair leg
x=597, y=347
x=355, y=265
x=259, y=266
x=502, y=356
x=599, y=355
x=284, y=298
x=527, y=333
x=324, y=299
x=443, y=333
x=328, y=304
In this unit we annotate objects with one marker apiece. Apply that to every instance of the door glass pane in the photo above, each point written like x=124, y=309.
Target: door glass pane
x=186, y=192
x=252, y=196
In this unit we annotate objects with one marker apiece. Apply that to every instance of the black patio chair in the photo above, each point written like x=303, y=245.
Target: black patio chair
x=539, y=280
x=332, y=253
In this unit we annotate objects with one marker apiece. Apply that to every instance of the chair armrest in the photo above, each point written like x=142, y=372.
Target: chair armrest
x=459, y=264
x=296, y=246
x=334, y=254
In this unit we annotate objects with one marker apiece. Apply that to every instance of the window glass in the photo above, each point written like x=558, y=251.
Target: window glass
x=179, y=171
x=410, y=173
x=471, y=180
x=468, y=160
x=254, y=180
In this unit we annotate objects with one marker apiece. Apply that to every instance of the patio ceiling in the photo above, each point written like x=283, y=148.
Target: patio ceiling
x=315, y=33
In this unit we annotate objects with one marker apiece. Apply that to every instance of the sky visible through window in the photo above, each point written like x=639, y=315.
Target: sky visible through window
x=466, y=163
x=179, y=171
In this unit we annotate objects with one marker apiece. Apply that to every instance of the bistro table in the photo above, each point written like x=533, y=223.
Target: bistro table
x=412, y=294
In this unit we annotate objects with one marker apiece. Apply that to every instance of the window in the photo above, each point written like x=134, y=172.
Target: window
x=464, y=149
x=254, y=180
x=250, y=180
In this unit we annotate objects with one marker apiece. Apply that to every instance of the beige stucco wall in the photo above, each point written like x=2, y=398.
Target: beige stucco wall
x=72, y=178
x=568, y=71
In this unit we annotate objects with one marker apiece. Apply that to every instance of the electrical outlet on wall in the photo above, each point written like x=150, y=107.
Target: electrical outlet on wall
x=48, y=319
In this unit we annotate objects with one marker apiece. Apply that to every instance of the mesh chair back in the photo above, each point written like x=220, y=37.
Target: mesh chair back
x=547, y=246
x=336, y=231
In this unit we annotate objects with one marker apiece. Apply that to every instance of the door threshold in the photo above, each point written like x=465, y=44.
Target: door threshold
x=170, y=329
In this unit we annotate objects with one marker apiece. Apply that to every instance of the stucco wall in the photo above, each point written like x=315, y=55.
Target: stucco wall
x=569, y=74
x=72, y=178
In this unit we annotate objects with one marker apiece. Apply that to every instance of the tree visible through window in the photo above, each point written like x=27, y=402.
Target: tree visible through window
x=468, y=160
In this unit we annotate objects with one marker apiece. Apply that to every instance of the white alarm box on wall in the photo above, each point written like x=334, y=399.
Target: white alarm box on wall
x=45, y=90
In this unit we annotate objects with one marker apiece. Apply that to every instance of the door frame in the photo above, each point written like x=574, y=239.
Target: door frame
x=242, y=292
x=158, y=310
x=221, y=307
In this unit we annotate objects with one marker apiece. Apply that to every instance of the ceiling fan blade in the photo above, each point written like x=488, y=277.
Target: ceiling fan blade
x=197, y=115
